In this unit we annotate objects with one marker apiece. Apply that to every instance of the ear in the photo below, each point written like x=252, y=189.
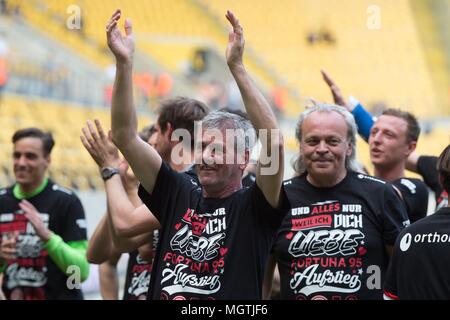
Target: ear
x=349, y=149
x=242, y=166
x=48, y=158
x=169, y=130
x=410, y=148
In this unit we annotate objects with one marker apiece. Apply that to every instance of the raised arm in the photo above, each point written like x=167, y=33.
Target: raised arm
x=143, y=159
x=411, y=162
x=336, y=92
x=363, y=118
x=121, y=189
x=129, y=243
x=127, y=220
x=269, y=174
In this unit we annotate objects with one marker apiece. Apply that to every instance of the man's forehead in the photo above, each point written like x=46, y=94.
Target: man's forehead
x=391, y=122
x=324, y=124
x=29, y=142
x=29, y=145
x=213, y=134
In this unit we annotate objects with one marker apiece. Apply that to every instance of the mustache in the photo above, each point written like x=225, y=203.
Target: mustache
x=207, y=166
x=321, y=158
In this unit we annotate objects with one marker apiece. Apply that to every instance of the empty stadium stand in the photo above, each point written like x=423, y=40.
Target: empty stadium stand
x=71, y=164
x=376, y=54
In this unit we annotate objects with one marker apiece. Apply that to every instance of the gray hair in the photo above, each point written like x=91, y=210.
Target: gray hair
x=350, y=161
x=243, y=129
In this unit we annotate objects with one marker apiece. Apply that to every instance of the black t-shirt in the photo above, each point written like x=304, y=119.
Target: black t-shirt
x=191, y=172
x=138, y=273
x=33, y=275
x=333, y=239
x=209, y=248
x=137, y=277
x=415, y=197
x=249, y=180
x=427, y=168
x=420, y=265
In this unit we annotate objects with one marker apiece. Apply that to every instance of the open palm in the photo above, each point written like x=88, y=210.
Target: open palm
x=335, y=90
x=122, y=46
x=235, y=47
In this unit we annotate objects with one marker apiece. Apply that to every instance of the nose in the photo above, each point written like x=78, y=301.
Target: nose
x=21, y=161
x=322, y=147
x=207, y=156
x=375, y=138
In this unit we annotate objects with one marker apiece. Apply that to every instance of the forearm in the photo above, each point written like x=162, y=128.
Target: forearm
x=270, y=166
x=133, y=197
x=256, y=105
x=363, y=119
x=2, y=296
x=65, y=255
x=124, y=119
x=270, y=171
x=109, y=280
x=411, y=162
x=125, y=244
x=143, y=159
x=100, y=244
x=146, y=250
x=120, y=208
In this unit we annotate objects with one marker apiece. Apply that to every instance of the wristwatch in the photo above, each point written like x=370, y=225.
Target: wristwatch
x=108, y=172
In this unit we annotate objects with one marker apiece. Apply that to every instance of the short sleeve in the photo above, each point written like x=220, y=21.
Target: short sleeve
x=426, y=166
x=75, y=228
x=415, y=197
x=363, y=120
x=394, y=216
x=268, y=216
x=167, y=187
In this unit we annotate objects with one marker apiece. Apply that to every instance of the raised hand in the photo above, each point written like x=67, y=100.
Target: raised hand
x=335, y=90
x=121, y=46
x=235, y=47
x=100, y=147
x=35, y=219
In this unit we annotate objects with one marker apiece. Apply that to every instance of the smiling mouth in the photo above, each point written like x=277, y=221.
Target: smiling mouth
x=322, y=160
